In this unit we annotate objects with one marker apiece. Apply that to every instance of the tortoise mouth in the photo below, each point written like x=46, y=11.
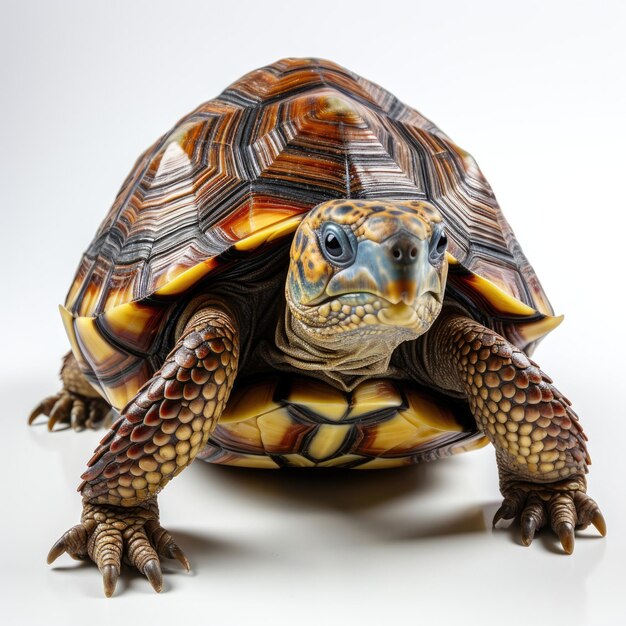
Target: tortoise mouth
x=364, y=297
x=369, y=313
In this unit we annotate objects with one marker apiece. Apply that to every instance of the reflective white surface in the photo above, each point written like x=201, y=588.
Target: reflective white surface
x=536, y=94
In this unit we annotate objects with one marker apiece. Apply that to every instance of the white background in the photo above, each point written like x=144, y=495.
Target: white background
x=534, y=90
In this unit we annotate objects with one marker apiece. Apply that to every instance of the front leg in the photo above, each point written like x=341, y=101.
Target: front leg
x=158, y=434
x=540, y=445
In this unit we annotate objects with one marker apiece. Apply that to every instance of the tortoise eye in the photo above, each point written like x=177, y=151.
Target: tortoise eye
x=332, y=244
x=438, y=245
x=337, y=246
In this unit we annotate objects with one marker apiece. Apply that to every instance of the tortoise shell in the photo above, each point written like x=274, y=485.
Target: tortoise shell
x=232, y=180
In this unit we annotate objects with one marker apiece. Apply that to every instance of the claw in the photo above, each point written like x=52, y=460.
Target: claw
x=59, y=411
x=565, y=531
x=110, y=574
x=43, y=407
x=529, y=526
x=56, y=550
x=52, y=422
x=504, y=512
x=598, y=521
x=37, y=411
x=56, y=415
x=174, y=552
x=152, y=571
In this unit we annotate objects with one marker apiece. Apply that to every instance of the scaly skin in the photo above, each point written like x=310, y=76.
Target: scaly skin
x=540, y=445
x=158, y=434
x=77, y=404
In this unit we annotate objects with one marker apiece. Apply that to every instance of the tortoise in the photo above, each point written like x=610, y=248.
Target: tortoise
x=305, y=272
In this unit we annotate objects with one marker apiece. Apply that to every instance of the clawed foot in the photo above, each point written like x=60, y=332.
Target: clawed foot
x=110, y=534
x=74, y=409
x=564, y=506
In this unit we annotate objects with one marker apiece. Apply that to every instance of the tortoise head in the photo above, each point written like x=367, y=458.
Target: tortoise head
x=368, y=267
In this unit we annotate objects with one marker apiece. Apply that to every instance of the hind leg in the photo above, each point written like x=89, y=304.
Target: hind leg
x=77, y=404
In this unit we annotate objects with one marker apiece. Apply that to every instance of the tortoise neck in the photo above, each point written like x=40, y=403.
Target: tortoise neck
x=343, y=360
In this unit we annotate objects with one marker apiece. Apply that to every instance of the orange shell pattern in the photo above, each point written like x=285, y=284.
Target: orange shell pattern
x=237, y=174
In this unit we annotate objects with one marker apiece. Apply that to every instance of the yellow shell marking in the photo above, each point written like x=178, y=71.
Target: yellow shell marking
x=318, y=397
x=534, y=330
x=94, y=346
x=399, y=432
x=246, y=432
x=252, y=402
x=129, y=318
x=68, y=323
x=338, y=461
x=180, y=279
x=428, y=416
x=328, y=440
x=506, y=304
x=274, y=426
x=297, y=460
x=269, y=233
x=502, y=301
x=373, y=395
x=101, y=355
x=259, y=422
x=254, y=461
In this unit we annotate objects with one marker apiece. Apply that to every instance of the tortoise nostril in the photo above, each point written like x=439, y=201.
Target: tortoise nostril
x=402, y=249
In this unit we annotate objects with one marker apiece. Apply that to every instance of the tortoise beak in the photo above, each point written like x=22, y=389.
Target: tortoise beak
x=398, y=270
